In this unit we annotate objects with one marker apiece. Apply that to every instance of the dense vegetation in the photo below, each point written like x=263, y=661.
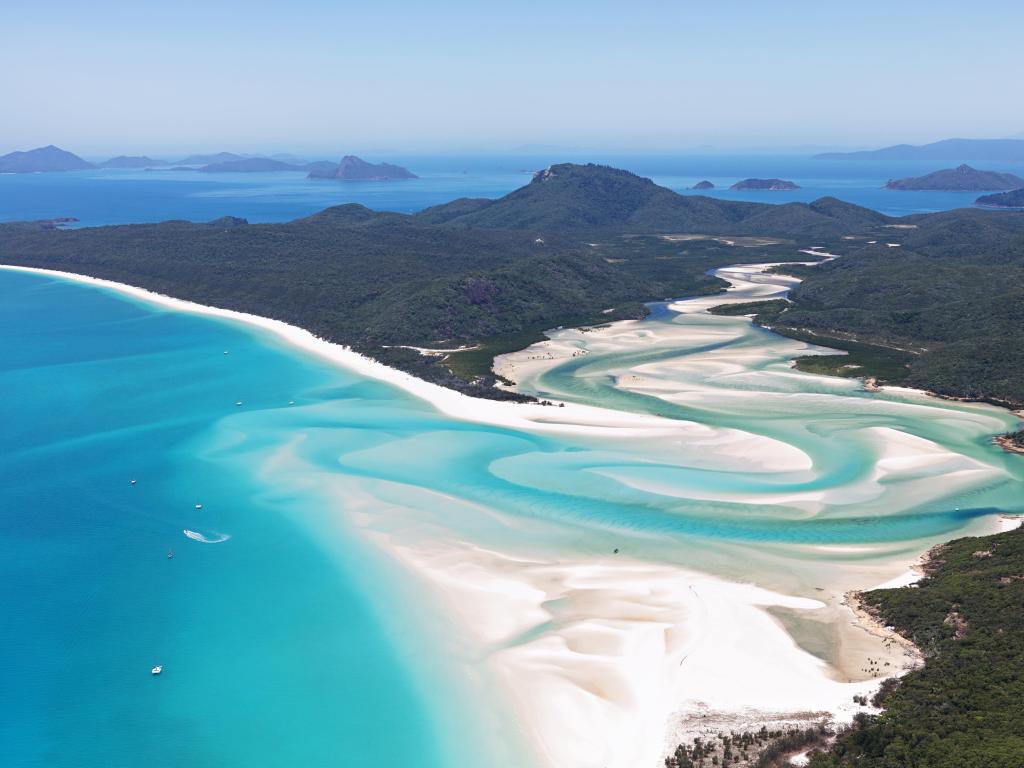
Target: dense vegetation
x=1015, y=439
x=950, y=298
x=763, y=310
x=380, y=281
x=1014, y=199
x=588, y=199
x=583, y=244
x=965, y=707
x=764, y=748
x=963, y=178
x=774, y=185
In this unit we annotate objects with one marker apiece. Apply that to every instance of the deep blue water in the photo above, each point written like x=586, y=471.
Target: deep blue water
x=118, y=196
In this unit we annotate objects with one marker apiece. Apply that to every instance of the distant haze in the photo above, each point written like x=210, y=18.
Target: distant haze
x=330, y=78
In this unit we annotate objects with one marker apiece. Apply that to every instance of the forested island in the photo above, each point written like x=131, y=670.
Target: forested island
x=942, y=312
x=773, y=185
x=1013, y=199
x=352, y=168
x=963, y=178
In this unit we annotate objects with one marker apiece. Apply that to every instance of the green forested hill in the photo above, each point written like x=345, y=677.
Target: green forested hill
x=962, y=178
x=1012, y=199
x=595, y=198
x=952, y=295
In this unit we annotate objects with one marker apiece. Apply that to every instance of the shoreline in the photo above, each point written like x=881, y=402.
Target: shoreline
x=630, y=658
x=569, y=419
x=634, y=663
x=638, y=656
x=1007, y=444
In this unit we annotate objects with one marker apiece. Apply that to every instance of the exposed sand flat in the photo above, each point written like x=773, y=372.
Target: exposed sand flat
x=603, y=658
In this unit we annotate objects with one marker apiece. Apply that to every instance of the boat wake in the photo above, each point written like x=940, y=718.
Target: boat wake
x=212, y=538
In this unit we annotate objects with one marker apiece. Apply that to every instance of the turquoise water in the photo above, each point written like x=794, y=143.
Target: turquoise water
x=296, y=639
x=128, y=196
x=280, y=647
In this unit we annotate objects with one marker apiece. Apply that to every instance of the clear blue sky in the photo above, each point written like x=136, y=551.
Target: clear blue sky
x=310, y=75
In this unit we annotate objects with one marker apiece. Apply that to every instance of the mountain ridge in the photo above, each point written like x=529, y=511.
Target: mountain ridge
x=946, y=150
x=48, y=159
x=571, y=197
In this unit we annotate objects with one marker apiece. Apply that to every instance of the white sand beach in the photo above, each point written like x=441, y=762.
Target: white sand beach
x=571, y=418
x=638, y=656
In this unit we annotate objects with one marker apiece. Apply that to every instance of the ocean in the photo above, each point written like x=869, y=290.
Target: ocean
x=273, y=639
x=333, y=536
x=98, y=197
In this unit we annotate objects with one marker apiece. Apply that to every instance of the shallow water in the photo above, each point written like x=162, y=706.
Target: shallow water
x=870, y=459
x=297, y=639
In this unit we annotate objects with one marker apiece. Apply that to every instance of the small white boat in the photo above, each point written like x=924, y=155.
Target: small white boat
x=132, y=482
x=291, y=402
x=157, y=669
x=238, y=402
x=225, y=351
x=199, y=506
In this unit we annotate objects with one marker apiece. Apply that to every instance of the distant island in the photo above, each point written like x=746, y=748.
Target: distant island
x=132, y=161
x=47, y=159
x=250, y=165
x=703, y=185
x=352, y=168
x=948, y=150
x=774, y=185
x=1014, y=199
x=52, y=159
x=963, y=178
x=218, y=157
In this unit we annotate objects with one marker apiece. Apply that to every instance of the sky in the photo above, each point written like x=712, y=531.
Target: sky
x=309, y=76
